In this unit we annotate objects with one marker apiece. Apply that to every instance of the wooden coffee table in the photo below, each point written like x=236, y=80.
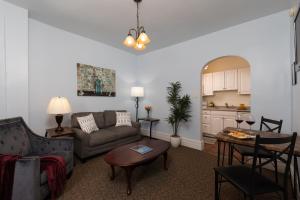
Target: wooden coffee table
x=128, y=159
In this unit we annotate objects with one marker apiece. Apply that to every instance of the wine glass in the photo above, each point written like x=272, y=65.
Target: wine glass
x=250, y=120
x=238, y=120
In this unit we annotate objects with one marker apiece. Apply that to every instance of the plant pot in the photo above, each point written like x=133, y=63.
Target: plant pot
x=175, y=141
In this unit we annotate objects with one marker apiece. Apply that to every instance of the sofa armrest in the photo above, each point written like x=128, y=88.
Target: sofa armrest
x=82, y=136
x=27, y=179
x=136, y=125
x=41, y=145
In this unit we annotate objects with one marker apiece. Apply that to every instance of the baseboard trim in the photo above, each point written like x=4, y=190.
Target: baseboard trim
x=187, y=142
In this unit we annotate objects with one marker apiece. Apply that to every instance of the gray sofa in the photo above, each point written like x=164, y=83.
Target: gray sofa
x=17, y=139
x=108, y=137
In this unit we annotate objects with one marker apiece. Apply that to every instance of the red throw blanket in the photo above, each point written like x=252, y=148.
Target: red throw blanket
x=7, y=170
x=54, y=166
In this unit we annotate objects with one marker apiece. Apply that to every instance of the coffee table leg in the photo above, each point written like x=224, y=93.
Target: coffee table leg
x=112, y=172
x=128, y=177
x=165, y=160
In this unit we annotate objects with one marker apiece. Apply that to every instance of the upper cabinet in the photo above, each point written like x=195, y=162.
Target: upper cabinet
x=236, y=79
x=231, y=80
x=244, y=81
x=225, y=80
x=218, y=81
x=207, y=84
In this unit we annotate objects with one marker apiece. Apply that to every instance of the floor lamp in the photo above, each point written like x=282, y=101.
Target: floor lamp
x=137, y=92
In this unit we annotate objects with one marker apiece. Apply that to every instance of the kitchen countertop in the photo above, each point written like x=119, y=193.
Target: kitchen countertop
x=223, y=108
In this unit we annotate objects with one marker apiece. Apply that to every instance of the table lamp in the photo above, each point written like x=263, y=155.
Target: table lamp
x=137, y=92
x=59, y=106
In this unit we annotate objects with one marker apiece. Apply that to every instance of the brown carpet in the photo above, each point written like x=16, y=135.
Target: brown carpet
x=190, y=176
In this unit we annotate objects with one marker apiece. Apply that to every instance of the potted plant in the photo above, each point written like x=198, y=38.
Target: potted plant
x=179, y=110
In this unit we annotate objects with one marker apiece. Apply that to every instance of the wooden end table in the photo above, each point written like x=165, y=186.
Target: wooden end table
x=151, y=120
x=67, y=132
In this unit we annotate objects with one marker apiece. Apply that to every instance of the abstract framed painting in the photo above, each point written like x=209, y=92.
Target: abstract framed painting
x=95, y=81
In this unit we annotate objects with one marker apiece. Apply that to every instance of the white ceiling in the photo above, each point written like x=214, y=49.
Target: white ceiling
x=167, y=22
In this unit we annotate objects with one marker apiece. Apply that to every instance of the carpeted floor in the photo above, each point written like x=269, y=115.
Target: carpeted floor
x=190, y=176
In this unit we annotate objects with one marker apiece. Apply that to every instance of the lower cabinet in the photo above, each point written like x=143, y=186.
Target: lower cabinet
x=229, y=122
x=217, y=124
x=214, y=122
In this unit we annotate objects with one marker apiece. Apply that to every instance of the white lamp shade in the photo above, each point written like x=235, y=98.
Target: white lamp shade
x=137, y=91
x=59, y=105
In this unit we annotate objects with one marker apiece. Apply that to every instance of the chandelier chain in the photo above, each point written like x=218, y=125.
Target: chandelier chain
x=138, y=19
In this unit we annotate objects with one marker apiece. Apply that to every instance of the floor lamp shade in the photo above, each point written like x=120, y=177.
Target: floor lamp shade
x=59, y=106
x=137, y=91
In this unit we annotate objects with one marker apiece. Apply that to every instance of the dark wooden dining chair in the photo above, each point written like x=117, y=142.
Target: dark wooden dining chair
x=248, y=180
x=268, y=125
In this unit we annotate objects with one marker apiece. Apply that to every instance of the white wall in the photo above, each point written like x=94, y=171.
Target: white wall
x=13, y=61
x=53, y=54
x=233, y=98
x=264, y=43
x=296, y=88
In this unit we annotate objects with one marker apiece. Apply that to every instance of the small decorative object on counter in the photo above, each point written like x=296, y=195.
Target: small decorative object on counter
x=148, y=108
x=211, y=104
x=242, y=107
x=226, y=105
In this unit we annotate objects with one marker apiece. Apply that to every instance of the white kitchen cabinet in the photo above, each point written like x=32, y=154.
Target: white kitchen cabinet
x=225, y=80
x=218, y=81
x=229, y=122
x=217, y=124
x=231, y=80
x=221, y=120
x=206, y=128
x=207, y=84
x=206, y=121
x=244, y=81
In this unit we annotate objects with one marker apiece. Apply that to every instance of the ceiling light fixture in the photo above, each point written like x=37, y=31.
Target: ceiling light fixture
x=141, y=38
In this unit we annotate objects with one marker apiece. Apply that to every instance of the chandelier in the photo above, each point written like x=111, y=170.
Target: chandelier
x=137, y=37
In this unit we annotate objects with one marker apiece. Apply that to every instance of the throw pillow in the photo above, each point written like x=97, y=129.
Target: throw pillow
x=123, y=119
x=87, y=123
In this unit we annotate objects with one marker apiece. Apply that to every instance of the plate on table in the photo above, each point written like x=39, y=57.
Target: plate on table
x=240, y=135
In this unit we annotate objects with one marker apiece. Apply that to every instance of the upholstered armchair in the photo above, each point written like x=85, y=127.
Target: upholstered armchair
x=17, y=139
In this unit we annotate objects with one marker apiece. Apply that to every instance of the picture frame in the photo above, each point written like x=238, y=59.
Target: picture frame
x=95, y=81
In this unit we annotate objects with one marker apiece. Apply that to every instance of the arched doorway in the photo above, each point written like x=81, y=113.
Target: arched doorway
x=226, y=95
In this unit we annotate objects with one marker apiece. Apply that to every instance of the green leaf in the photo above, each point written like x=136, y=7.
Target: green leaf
x=179, y=106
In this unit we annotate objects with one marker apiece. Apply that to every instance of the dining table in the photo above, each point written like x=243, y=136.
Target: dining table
x=224, y=139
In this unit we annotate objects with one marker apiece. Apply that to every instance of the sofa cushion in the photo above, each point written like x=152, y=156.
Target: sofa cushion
x=99, y=119
x=109, y=118
x=14, y=139
x=124, y=131
x=98, y=116
x=101, y=137
x=74, y=122
x=123, y=119
x=87, y=123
